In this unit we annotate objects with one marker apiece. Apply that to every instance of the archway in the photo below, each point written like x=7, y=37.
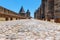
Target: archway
x=11, y=18
x=7, y=19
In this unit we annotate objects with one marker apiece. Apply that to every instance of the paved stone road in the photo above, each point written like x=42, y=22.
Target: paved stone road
x=29, y=29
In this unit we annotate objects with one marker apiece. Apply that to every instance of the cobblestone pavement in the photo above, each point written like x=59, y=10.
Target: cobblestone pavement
x=29, y=29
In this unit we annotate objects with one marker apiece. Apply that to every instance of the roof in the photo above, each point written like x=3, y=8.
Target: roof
x=22, y=10
x=8, y=10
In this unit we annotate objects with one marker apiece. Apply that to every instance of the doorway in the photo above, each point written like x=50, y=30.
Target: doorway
x=11, y=18
x=7, y=19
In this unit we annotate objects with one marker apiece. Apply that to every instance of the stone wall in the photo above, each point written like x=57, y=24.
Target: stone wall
x=57, y=10
x=2, y=19
x=50, y=11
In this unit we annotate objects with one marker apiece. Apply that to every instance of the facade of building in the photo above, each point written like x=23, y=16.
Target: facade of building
x=36, y=14
x=6, y=15
x=28, y=14
x=50, y=10
x=57, y=10
x=40, y=12
x=24, y=14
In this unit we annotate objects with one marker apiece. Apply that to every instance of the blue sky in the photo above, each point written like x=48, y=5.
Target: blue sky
x=15, y=5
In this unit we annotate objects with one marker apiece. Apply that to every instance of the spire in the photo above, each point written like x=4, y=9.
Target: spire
x=22, y=10
x=28, y=11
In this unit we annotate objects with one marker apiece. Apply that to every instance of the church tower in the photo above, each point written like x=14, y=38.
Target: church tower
x=28, y=14
x=22, y=12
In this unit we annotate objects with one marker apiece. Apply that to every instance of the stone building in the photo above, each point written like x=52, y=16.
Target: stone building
x=40, y=12
x=57, y=10
x=28, y=14
x=24, y=14
x=47, y=10
x=6, y=14
x=37, y=13
x=50, y=10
